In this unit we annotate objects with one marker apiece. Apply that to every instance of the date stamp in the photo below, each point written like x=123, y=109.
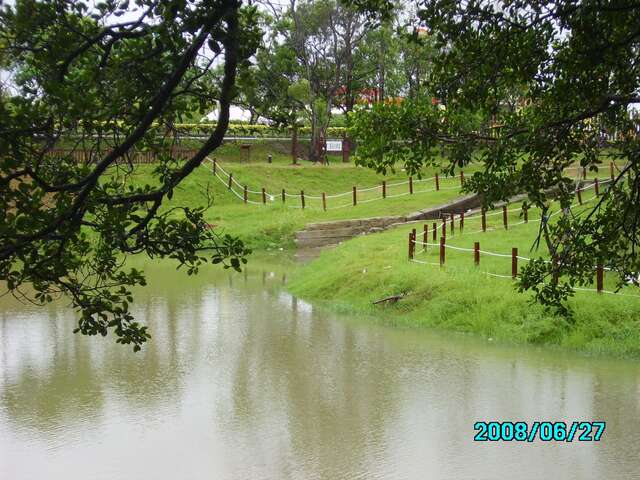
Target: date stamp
x=543, y=431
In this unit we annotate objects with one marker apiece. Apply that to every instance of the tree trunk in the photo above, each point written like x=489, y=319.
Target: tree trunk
x=294, y=142
x=318, y=138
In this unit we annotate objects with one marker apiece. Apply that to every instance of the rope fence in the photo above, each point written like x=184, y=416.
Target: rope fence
x=442, y=247
x=301, y=199
x=324, y=201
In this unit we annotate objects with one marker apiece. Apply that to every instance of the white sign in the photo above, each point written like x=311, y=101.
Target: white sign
x=334, y=146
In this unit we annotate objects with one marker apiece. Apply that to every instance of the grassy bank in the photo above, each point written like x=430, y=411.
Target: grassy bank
x=273, y=225
x=460, y=298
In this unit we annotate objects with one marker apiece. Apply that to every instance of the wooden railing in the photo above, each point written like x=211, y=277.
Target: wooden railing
x=83, y=156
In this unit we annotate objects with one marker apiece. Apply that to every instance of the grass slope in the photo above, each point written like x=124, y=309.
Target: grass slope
x=273, y=225
x=459, y=297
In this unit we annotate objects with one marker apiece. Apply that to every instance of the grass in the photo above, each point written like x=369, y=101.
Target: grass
x=460, y=297
x=273, y=225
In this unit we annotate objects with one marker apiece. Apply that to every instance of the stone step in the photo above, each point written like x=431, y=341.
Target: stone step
x=331, y=233
x=328, y=233
x=319, y=242
x=359, y=222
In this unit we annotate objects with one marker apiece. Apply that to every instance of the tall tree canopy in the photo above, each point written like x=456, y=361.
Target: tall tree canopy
x=108, y=78
x=549, y=77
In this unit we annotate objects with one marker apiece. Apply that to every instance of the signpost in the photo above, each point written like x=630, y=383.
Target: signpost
x=334, y=146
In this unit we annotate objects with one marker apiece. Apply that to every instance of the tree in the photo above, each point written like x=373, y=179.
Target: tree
x=108, y=80
x=324, y=35
x=264, y=85
x=547, y=73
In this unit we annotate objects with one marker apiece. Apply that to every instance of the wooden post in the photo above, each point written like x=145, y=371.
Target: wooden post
x=461, y=178
x=579, y=194
x=345, y=149
x=269, y=158
x=355, y=196
x=324, y=201
x=444, y=227
x=294, y=144
x=525, y=211
x=476, y=253
x=410, y=185
x=413, y=243
x=215, y=165
x=264, y=195
x=461, y=221
x=442, y=249
x=230, y=180
x=435, y=231
x=413, y=246
x=484, y=220
x=302, y=198
x=505, y=217
x=410, y=253
x=584, y=173
x=437, y=182
x=425, y=236
x=384, y=189
x=453, y=223
x=246, y=153
x=514, y=262
x=599, y=278
x=596, y=186
x=414, y=236
x=246, y=194
x=611, y=170
x=283, y=196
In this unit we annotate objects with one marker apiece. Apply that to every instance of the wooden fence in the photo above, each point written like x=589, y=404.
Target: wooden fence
x=84, y=156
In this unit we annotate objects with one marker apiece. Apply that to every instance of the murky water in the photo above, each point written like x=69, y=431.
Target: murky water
x=242, y=381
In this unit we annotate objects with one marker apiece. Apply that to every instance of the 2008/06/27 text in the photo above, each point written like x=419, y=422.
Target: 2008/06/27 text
x=544, y=431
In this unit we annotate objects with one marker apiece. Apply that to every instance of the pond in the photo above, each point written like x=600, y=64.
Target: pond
x=243, y=381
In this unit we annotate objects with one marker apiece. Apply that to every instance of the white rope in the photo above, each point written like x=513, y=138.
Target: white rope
x=424, y=263
x=606, y=291
x=461, y=249
x=593, y=185
x=376, y=187
x=422, y=180
x=360, y=190
x=444, y=265
x=337, y=195
x=494, y=254
x=272, y=196
x=241, y=197
x=340, y=206
x=498, y=276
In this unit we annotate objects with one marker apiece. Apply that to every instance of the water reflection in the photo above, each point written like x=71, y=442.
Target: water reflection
x=242, y=380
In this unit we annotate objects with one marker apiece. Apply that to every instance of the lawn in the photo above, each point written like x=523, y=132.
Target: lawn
x=463, y=298
x=272, y=225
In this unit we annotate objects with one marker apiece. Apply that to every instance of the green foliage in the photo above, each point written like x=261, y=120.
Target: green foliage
x=82, y=77
x=257, y=130
x=458, y=298
x=528, y=88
